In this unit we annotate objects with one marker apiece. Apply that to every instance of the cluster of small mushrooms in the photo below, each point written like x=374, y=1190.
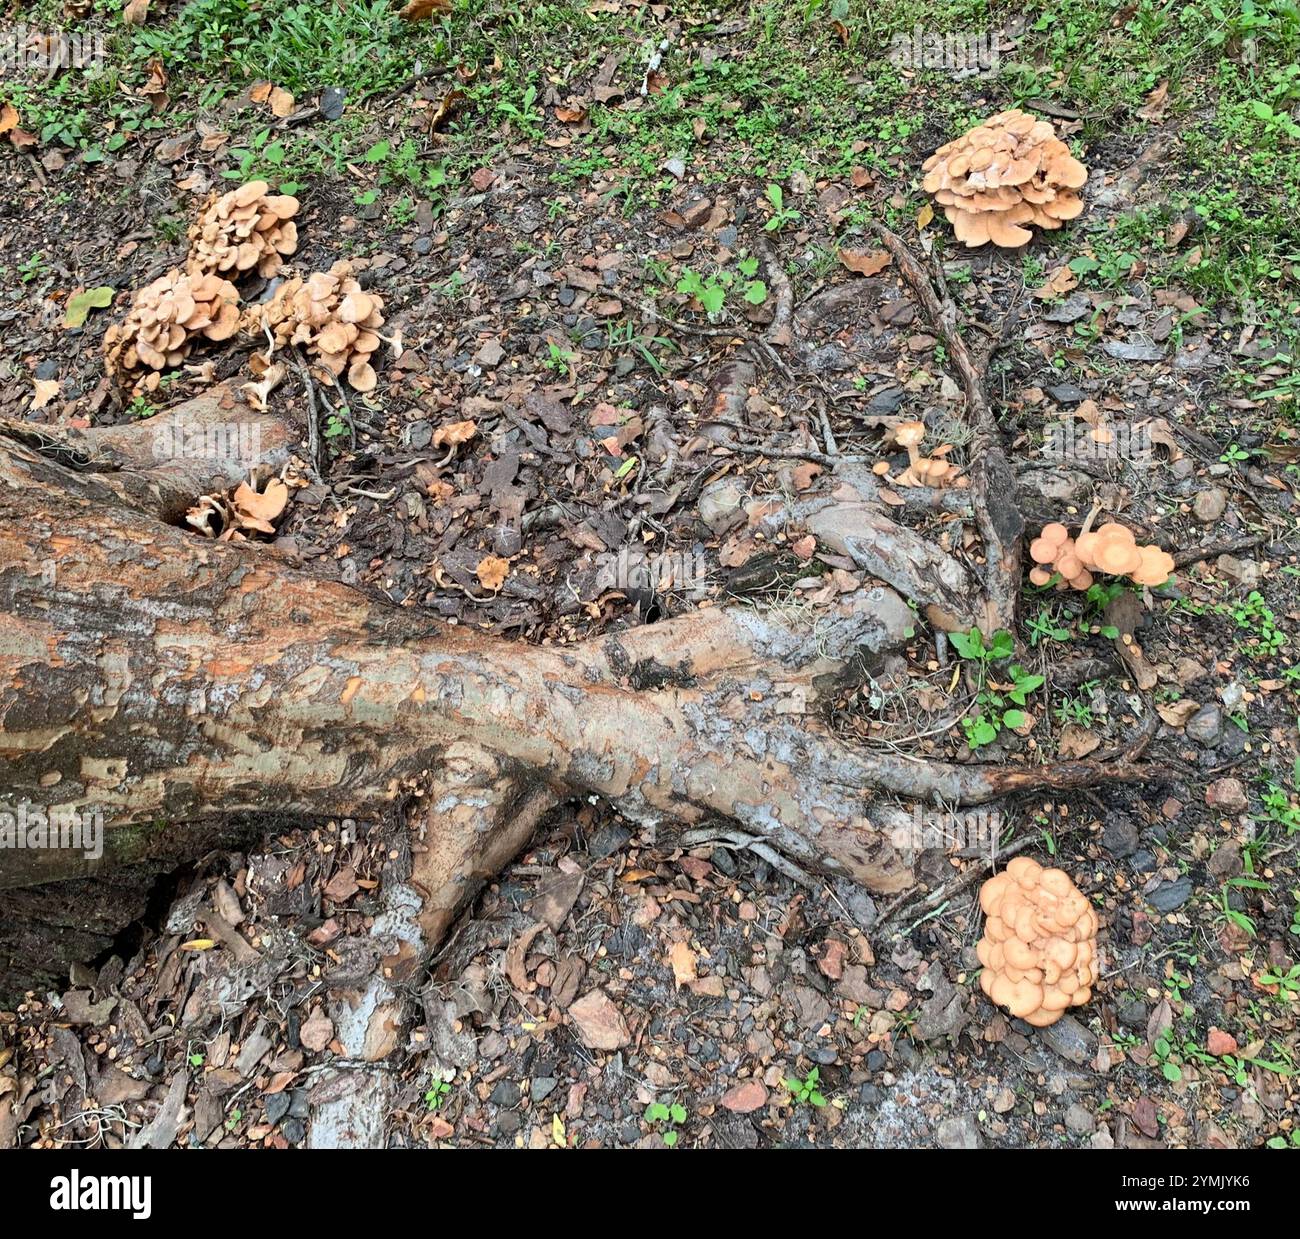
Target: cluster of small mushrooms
x=1111, y=549
x=245, y=230
x=1039, y=948
x=333, y=316
x=1009, y=171
x=240, y=233
x=923, y=470
x=166, y=317
x=249, y=508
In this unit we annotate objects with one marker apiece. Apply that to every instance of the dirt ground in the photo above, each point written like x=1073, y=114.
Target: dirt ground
x=548, y=203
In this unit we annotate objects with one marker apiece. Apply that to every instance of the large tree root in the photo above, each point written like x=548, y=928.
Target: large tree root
x=168, y=682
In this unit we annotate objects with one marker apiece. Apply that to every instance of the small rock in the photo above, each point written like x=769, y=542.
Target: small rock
x=1070, y=1040
x=1226, y=794
x=961, y=1132
x=542, y=1087
x=1079, y=1121
x=1219, y=1043
x=1073, y=308
x=721, y=504
x=1067, y=393
x=745, y=1098
x=1245, y=572
x=599, y=1022
x=506, y=1093
x=1225, y=862
x=1169, y=896
x=1210, y=504
x=1120, y=836
x=1124, y=350
x=1206, y=725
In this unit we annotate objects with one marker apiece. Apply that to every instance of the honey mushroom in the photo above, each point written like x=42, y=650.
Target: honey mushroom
x=244, y=230
x=1111, y=549
x=1039, y=949
x=1007, y=172
x=921, y=470
x=163, y=321
x=332, y=315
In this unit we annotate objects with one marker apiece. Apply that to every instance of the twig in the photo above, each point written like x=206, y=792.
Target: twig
x=313, y=411
x=1215, y=549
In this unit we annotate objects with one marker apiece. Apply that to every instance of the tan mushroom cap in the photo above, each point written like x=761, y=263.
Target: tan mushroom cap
x=333, y=316
x=1005, y=174
x=909, y=434
x=244, y=230
x=165, y=319
x=1038, y=951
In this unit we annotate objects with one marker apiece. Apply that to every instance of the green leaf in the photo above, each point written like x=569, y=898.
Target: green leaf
x=626, y=467
x=756, y=292
x=968, y=645
x=91, y=299
x=777, y=198
x=748, y=266
x=1110, y=632
x=1172, y=1072
x=816, y=1098
x=656, y=1112
x=1003, y=645
x=980, y=733
x=677, y=1113
x=670, y=1139
x=1014, y=718
x=711, y=298
x=378, y=153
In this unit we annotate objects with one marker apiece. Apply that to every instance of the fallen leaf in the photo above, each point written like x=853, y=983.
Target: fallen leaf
x=1176, y=713
x=8, y=117
x=682, y=959
x=492, y=571
x=1060, y=282
x=198, y=944
x=866, y=264
x=135, y=11
x=45, y=391
x=1077, y=741
x=925, y=216
x=80, y=304
x=1156, y=105
x=316, y=1032
x=571, y=116
x=418, y=10
x=281, y=102
x=454, y=433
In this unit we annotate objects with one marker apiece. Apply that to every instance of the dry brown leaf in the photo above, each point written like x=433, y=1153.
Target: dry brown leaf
x=1177, y=713
x=571, y=116
x=454, y=434
x=45, y=391
x=8, y=117
x=925, y=216
x=257, y=509
x=260, y=92
x=492, y=572
x=682, y=959
x=1060, y=282
x=1156, y=105
x=866, y=264
x=135, y=12
x=1077, y=741
x=418, y=10
x=451, y=103
x=281, y=102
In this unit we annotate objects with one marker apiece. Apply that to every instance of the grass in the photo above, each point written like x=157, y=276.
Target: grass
x=752, y=97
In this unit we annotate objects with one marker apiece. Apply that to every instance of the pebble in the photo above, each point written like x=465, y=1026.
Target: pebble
x=1120, y=836
x=506, y=1093
x=1210, y=504
x=1226, y=794
x=1206, y=725
x=1170, y=896
x=1079, y=1121
x=961, y=1132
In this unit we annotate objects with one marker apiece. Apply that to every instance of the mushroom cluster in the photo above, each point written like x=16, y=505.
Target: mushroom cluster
x=164, y=318
x=1009, y=171
x=1039, y=948
x=244, y=230
x=332, y=315
x=249, y=508
x=1111, y=549
x=921, y=470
